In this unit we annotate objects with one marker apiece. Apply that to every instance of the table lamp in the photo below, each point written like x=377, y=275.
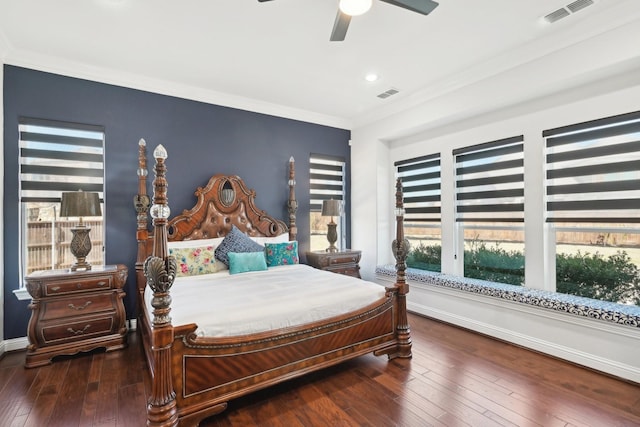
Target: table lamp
x=80, y=204
x=331, y=208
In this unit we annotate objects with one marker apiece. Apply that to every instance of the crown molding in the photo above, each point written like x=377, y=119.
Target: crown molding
x=116, y=77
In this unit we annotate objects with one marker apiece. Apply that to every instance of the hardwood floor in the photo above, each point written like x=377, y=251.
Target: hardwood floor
x=455, y=378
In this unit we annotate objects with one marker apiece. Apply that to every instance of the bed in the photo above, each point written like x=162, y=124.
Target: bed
x=203, y=358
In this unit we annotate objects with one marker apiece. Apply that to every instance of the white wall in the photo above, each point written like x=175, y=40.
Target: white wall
x=599, y=77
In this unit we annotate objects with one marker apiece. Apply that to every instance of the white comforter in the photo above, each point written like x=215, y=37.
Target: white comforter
x=226, y=305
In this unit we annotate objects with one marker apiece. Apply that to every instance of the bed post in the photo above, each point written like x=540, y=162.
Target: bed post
x=400, y=247
x=160, y=270
x=141, y=204
x=292, y=204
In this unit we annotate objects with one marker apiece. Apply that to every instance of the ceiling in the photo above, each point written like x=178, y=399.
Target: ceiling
x=276, y=57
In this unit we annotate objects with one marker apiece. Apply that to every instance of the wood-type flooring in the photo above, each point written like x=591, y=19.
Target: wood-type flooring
x=455, y=378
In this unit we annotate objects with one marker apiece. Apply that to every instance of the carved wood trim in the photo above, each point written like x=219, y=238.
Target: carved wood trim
x=211, y=217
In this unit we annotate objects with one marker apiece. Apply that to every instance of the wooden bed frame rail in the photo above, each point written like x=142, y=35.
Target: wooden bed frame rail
x=194, y=377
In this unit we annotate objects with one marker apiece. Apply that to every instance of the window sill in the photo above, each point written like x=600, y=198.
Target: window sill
x=22, y=294
x=626, y=315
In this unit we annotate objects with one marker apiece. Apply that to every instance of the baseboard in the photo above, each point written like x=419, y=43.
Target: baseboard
x=14, y=344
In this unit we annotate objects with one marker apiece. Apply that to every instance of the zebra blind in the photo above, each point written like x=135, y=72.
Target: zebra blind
x=593, y=171
x=421, y=188
x=57, y=157
x=327, y=178
x=490, y=181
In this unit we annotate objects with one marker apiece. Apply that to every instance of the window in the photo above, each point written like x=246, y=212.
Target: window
x=326, y=182
x=490, y=209
x=421, y=192
x=56, y=157
x=593, y=200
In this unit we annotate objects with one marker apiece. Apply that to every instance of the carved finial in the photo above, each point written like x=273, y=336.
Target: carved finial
x=400, y=246
x=160, y=268
x=292, y=203
x=160, y=152
x=160, y=209
x=141, y=201
x=399, y=197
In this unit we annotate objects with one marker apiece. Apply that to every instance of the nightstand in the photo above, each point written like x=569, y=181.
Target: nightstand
x=345, y=262
x=74, y=311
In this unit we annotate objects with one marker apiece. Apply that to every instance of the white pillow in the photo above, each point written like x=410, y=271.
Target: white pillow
x=192, y=243
x=284, y=237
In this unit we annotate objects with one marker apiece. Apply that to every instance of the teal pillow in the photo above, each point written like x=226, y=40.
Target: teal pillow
x=281, y=253
x=242, y=262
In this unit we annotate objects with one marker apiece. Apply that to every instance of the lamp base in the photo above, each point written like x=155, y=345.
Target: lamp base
x=80, y=247
x=332, y=236
x=80, y=265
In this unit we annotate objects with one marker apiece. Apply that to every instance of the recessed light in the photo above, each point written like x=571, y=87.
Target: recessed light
x=371, y=77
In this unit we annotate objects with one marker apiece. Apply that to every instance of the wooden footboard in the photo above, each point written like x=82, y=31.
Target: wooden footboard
x=194, y=377
x=207, y=373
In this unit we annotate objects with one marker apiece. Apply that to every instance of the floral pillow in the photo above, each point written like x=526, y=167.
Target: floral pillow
x=194, y=261
x=281, y=253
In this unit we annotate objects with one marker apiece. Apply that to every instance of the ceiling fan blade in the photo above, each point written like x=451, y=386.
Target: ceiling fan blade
x=262, y=1
x=424, y=7
x=340, y=27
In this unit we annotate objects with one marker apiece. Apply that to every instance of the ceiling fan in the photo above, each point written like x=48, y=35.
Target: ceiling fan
x=349, y=8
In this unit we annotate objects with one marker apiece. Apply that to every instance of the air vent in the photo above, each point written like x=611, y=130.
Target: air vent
x=556, y=15
x=563, y=12
x=388, y=93
x=579, y=5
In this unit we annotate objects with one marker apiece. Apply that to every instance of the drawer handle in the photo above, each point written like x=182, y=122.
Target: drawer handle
x=102, y=283
x=79, y=285
x=55, y=288
x=79, y=332
x=80, y=307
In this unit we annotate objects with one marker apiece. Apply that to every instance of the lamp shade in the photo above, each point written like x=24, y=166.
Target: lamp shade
x=331, y=207
x=80, y=203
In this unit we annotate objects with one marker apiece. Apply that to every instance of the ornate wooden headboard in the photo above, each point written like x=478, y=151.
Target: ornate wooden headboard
x=223, y=202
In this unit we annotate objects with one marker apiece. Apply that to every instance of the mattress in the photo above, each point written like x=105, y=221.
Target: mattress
x=224, y=305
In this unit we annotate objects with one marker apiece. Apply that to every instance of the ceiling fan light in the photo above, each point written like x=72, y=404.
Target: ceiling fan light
x=355, y=7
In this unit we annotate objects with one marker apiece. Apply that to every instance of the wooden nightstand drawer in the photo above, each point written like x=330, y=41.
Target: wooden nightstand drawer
x=77, y=330
x=70, y=307
x=82, y=285
x=345, y=259
x=344, y=262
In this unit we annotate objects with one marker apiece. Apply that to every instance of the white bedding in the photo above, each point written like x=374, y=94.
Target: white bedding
x=226, y=305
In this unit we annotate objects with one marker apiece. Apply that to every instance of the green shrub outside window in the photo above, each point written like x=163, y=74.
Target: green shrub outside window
x=613, y=278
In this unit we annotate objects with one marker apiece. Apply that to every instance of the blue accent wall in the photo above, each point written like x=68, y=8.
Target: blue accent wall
x=201, y=139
